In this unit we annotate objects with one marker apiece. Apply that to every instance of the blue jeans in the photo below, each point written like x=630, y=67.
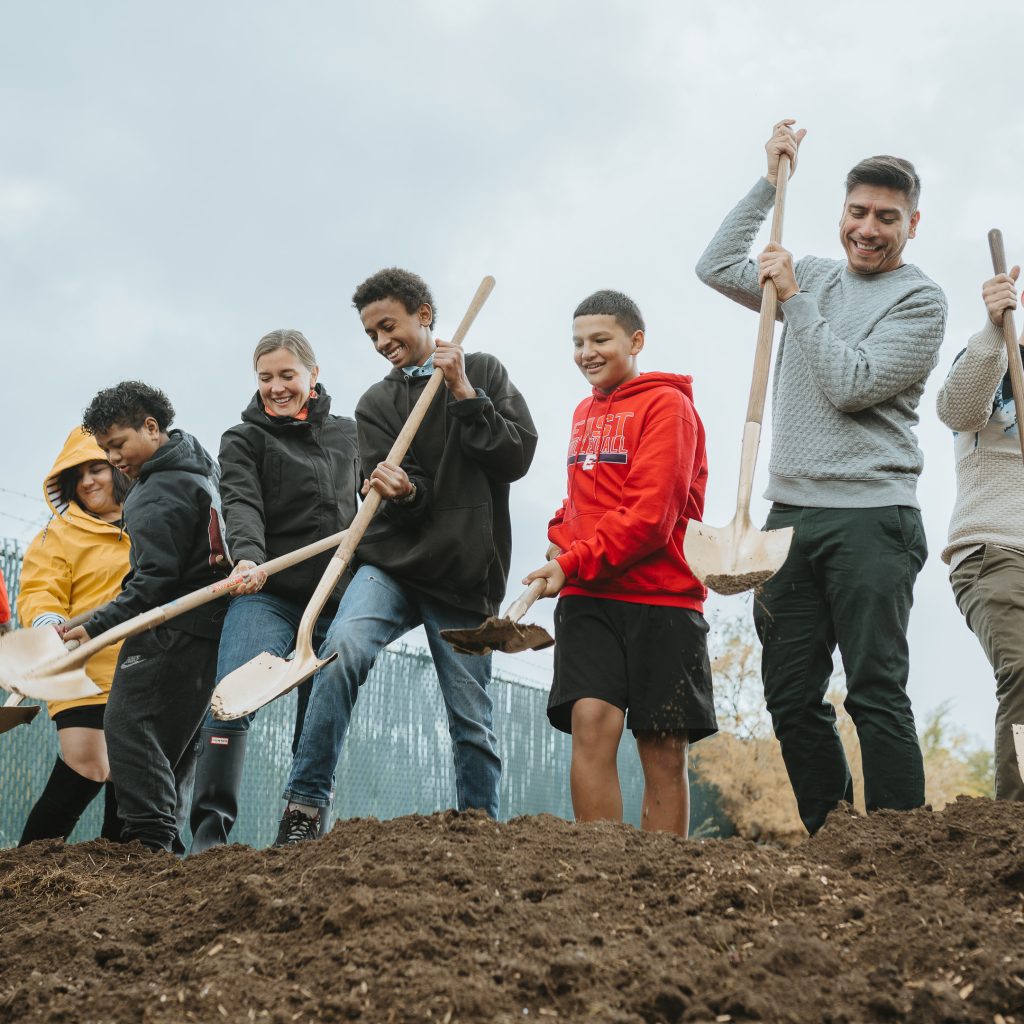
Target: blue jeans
x=256, y=623
x=375, y=611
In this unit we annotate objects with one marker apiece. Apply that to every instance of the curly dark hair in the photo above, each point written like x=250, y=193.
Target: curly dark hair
x=127, y=404
x=609, y=302
x=394, y=283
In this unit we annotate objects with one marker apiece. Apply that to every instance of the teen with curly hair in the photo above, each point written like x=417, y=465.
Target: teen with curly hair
x=164, y=677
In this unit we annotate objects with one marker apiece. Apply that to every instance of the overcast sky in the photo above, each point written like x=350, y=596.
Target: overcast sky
x=176, y=180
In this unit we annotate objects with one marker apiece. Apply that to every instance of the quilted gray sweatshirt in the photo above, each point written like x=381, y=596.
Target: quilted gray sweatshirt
x=852, y=363
x=976, y=403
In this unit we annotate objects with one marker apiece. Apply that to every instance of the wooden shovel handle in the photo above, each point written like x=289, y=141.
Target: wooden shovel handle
x=769, y=309
x=762, y=362
x=995, y=245
x=171, y=610
x=522, y=604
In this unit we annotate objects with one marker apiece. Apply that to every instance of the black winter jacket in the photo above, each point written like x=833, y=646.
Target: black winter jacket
x=172, y=517
x=454, y=540
x=286, y=483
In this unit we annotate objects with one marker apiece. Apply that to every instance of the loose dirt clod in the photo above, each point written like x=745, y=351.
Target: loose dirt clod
x=728, y=584
x=895, y=917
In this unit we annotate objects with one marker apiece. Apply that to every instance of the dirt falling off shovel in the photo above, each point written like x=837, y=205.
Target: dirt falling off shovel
x=504, y=633
x=728, y=584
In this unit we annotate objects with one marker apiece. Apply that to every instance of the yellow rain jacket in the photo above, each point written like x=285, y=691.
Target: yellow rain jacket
x=74, y=565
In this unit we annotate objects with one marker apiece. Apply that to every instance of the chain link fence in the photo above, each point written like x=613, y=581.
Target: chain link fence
x=396, y=759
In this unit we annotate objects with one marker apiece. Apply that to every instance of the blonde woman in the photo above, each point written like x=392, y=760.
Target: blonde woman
x=289, y=476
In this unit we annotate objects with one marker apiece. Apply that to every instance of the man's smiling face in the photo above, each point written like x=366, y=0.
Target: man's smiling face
x=877, y=222
x=401, y=337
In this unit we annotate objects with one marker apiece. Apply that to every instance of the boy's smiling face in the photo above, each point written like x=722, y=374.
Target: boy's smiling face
x=604, y=352
x=401, y=337
x=129, y=448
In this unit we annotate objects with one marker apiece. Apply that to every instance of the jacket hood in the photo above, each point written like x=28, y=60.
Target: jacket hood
x=78, y=448
x=256, y=412
x=646, y=381
x=182, y=453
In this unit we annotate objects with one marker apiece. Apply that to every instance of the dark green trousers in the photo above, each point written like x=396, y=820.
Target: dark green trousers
x=848, y=582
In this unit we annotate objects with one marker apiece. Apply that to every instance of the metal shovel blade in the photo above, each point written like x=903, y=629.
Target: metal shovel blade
x=13, y=717
x=737, y=557
x=260, y=681
x=26, y=652
x=498, y=634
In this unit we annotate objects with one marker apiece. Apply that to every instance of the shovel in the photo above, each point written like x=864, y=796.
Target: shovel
x=11, y=712
x=740, y=557
x=995, y=245
x=267, y=677
x=504, y=633
x=34, y=662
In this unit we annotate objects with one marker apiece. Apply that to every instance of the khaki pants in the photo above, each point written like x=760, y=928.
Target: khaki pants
x=989, y=590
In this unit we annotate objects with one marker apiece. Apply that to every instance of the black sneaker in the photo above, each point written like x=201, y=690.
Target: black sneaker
x=297, y=827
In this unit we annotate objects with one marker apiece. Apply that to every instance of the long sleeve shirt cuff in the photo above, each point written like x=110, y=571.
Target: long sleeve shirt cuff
x=570, y=564
x=763, y=194
x=800, y=310
x=989, y=340
x=467, y=408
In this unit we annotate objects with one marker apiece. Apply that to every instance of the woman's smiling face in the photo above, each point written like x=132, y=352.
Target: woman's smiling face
x=284, y=382
x=95, y=488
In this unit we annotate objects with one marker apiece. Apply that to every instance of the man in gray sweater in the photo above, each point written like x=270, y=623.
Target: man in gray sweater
x=860, y=337
x=985, y=552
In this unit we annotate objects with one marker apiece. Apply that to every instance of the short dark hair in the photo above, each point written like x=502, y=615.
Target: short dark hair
x=68, y=482
x=394, y=283
x=887, y=172
x=127, y=404
x=608, y=302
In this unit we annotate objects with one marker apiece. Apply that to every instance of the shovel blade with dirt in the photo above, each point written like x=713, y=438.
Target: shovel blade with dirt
x=739, y=557
x=268, y=677
x=14, y=713
x=504, y=633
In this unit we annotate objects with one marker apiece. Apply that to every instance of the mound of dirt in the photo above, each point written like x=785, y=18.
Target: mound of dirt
x=454, y=918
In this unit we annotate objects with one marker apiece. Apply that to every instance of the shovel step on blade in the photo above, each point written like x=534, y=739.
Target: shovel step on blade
x=496, y=634
x=729, y=561
x=10, y=718
x=260, y=681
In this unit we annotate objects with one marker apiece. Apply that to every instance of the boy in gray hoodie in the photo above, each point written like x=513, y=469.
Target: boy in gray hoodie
x=860, y=337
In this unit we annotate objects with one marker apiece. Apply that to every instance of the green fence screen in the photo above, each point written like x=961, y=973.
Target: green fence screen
x=396, y=760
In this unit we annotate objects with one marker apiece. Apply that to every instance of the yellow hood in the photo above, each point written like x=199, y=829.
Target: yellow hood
x=78, y=448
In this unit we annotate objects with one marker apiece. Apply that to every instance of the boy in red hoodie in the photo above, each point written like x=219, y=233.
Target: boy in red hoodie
x=631, y=640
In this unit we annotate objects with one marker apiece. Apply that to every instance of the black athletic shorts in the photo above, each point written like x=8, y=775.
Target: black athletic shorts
x=649, y=660
x=90, y=716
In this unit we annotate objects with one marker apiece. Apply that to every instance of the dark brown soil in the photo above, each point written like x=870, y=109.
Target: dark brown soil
x=897, y=917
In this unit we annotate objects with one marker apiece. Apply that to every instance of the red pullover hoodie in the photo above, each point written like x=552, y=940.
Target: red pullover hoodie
x=637, y=473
